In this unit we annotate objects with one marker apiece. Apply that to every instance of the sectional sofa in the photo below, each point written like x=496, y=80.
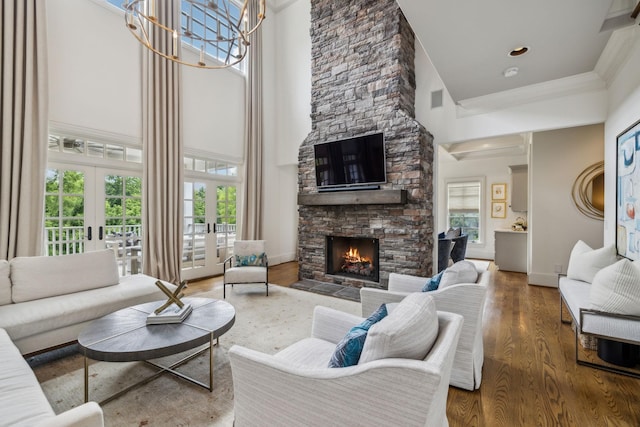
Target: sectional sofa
x=44, y=303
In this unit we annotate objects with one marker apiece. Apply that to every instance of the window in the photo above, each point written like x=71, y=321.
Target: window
x=464, y=207
x=209, y=24
x=86, y=148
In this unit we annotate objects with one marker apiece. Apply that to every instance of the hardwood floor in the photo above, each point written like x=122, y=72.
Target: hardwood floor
x=530, y=377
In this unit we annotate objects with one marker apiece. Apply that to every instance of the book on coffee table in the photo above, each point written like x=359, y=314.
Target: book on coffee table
x=171, y=314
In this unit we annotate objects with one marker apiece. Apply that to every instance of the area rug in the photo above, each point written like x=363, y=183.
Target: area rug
x=263, y=323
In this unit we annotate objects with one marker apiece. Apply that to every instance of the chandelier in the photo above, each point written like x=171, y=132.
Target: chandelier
x=220, y=28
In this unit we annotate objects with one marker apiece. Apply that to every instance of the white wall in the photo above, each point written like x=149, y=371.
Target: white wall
x=293, y=79
x=555, y=224
x=287, y=94
x=624, y=110
x=95, y=83
x=492, y=171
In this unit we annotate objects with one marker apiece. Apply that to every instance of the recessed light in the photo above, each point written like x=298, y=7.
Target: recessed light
x=518, y=51
x=510, y=72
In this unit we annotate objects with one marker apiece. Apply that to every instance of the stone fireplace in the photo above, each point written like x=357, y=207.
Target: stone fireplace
x=363, y=81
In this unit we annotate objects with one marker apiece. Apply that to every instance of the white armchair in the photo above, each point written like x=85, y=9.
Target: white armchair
x=466, y=299
x=248, y=264
x=295, y=386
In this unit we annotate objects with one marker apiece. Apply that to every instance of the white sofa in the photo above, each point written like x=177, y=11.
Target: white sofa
x=22, y=402
x=296, y=386
x=466, y=299
x=46, y=301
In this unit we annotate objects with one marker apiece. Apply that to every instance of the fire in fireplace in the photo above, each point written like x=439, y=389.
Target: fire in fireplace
x=352, y=257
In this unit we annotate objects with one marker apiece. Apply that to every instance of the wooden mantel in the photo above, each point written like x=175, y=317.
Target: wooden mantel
x=360, y=197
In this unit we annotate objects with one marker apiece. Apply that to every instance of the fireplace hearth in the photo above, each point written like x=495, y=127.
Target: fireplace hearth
x=355, y=257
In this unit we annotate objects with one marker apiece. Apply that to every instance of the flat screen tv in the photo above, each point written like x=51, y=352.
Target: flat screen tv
x=349, y=164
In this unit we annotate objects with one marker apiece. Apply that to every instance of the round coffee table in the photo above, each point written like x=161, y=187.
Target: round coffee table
x=124, y=336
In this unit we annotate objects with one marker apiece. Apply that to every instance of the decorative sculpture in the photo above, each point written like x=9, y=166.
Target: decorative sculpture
x=173, y=297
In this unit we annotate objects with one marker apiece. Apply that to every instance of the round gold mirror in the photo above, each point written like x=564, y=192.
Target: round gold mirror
x=588, y=191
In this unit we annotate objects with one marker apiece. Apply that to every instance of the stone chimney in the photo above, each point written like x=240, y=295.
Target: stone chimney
x=363, y=82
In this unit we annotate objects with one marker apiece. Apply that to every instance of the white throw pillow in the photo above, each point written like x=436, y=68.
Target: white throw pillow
x=460, y=272
x=616, y=289
x=585, y=262
x=408, y=331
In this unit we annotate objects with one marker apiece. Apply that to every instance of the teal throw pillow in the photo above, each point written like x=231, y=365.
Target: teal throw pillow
x=433, y=283
x=256, y=260
x=349, y=348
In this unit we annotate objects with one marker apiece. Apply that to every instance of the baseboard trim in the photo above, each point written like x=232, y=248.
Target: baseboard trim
x=544, y=279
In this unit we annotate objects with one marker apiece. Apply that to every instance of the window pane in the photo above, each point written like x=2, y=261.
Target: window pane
x=134, y=155
x=54, y=143
x=95, y=149
x=74, y=146
x=113, y=207
x=52, y=183
x=188, y=163
x=115, y=152
x=188, y=190
x=463, y=204
x=73, y=182
x=73, y=206
x=51, y=206
x=133, y=186
x=201, y=165
x=133, y=207
x=113, y=185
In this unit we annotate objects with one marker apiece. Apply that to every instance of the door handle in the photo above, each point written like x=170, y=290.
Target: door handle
x=209, y=228
x=100, y=233
x=214, y=228
x=89, y=236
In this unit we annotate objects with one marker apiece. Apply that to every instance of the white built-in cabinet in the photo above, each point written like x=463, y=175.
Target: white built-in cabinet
x=511, y=250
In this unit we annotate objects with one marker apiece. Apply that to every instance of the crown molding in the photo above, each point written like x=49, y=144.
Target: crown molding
x=580, y=83
x=616, y=52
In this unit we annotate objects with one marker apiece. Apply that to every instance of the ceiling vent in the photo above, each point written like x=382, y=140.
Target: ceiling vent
x=436, y=99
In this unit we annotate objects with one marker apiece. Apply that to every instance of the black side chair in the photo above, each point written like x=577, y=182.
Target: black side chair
x=444, y=252
x=459, y=250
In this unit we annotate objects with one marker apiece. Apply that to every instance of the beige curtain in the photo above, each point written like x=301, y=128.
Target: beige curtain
x=252, y=211
x=163, y=159
x=23, y=126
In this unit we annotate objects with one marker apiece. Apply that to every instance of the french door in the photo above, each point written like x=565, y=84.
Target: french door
x=209, y=227
x=89, y=208
x=94, y=207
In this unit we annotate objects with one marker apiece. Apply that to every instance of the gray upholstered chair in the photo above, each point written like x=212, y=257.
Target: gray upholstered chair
x=466, y=299
x=295, y=386
x=248, y=264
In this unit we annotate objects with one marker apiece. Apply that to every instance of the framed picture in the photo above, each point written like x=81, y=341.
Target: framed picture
x=628, y=192
x=498, y=209
x=498, y=191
